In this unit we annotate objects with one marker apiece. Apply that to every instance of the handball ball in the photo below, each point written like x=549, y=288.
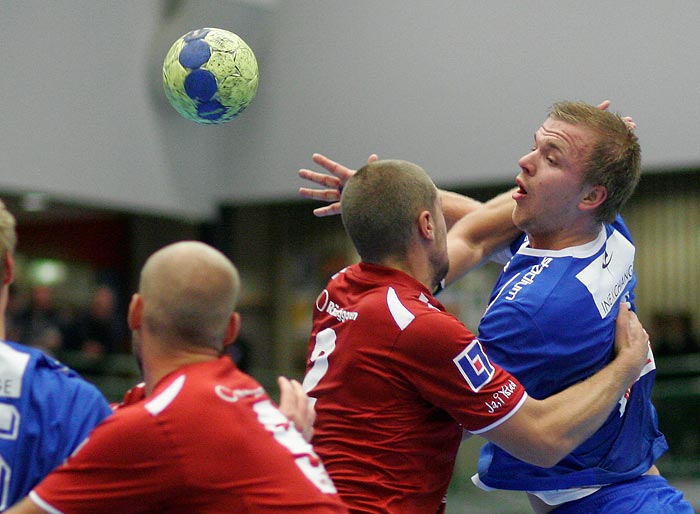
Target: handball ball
x=210, y=75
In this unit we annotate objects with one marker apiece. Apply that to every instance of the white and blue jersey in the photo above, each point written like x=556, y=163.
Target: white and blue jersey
x=551, y=323
x=46, y=411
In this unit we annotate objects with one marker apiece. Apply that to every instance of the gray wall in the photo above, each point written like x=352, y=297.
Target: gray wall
x=458, y=86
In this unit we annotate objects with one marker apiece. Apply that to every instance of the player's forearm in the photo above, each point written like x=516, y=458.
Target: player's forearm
x=479, y=234
x=572, y=416
x=455, y=206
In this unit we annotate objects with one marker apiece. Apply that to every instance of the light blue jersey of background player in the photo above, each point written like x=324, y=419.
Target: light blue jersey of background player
x=46, y=411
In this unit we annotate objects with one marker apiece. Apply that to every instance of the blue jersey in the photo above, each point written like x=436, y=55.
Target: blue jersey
x=46, y=411
x=551, y=323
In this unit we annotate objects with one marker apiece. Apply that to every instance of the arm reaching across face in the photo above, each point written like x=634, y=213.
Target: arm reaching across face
x=483, y=231
x=454, y=205
x=475, y=233
x=543, y=432
x=478, y=230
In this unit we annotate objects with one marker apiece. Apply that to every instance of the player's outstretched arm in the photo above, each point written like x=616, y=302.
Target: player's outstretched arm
x=454, y=205
x=543, y=432
x=480, y=233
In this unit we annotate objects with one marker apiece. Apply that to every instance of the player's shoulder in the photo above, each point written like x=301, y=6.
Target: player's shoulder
x=38, y=383
x=62, y=377
x=195, y=386
x=423, y=320
x=212, y=390
x=619, y=225
x=402, y=300
x=37, y=367
x=17, y=355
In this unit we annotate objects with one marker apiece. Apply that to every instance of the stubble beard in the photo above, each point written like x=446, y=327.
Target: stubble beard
x=440, y=265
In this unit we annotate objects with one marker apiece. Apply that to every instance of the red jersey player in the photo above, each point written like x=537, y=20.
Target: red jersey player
x=206, y=437
x=396, y=379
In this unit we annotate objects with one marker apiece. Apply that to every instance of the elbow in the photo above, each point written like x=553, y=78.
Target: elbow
x=537, y=435
x=547, y=458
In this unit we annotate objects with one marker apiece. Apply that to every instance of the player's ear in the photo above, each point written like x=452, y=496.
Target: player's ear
x=8, y=264
x=595, y=196
x=135, y=314
x=232, y=329
x=426, y=225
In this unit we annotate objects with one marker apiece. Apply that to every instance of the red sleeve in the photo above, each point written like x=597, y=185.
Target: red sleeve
x=451, y=370
x=122, y=467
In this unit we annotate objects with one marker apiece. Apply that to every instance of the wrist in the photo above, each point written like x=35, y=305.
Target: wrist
x=629, y=366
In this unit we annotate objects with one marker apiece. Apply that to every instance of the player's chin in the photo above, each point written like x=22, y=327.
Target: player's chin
x=520, y=216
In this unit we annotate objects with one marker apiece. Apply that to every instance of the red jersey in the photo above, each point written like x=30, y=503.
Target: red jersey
x=395, y=380
x=208, y=440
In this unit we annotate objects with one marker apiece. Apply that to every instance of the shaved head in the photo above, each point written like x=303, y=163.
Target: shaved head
x=381, y=203
x=189, y=290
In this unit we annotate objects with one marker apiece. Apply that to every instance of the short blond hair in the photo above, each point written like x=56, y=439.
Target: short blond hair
x=8, y=234
x=615, y=160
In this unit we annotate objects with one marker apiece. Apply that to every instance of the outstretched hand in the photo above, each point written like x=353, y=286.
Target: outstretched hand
x=332, y=183
x=295, y=404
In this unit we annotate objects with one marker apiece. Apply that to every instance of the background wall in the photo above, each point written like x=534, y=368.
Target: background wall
x=456, y=85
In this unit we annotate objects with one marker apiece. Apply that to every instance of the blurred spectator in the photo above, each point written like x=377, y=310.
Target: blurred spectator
x=38, y=320
x=673, y=334
x=100, y=329
x=17, y=303
x=49, y=340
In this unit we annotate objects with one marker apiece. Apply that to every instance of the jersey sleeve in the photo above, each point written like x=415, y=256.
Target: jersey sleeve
x=72, y=406
x=122, y=467
x=451, y=370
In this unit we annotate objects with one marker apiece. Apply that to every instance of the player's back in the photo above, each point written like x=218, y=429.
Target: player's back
x=208, y=440
x=46, y=411
x=373, y=427
x=243, y=448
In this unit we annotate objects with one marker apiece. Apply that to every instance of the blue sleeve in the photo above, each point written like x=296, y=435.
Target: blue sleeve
x=63, y=409
x=77, y=407
x=74, y=405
